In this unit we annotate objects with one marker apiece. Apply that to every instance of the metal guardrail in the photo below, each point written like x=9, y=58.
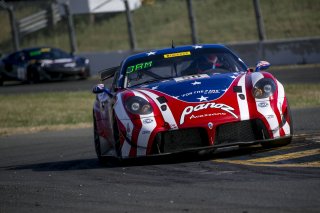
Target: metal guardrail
x=32, y=23
x=38, y=21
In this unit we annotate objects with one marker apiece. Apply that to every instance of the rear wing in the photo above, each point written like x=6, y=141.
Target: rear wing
x=108, y=73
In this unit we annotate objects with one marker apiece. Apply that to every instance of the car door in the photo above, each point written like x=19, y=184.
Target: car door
x=16, y=65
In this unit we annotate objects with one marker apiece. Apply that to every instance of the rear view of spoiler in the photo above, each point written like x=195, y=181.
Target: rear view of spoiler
x=108, y=73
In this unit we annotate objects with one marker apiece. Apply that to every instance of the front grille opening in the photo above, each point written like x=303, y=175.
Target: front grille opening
x=179, y=140
x=243, y=131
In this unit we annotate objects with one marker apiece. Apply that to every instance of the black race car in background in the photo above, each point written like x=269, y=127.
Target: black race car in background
x=42, y=64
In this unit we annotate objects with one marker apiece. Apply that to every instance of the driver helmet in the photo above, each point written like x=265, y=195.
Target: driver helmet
x=207, y=62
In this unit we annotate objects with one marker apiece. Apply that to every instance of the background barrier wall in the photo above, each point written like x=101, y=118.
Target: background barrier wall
x=277, y=52
x=280, y=52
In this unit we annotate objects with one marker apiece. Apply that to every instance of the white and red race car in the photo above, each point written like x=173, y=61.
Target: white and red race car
x=187, y=98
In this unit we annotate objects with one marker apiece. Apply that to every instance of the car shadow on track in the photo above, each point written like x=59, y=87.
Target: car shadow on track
x=81, y=164
x=176, y=158
x=189, y=156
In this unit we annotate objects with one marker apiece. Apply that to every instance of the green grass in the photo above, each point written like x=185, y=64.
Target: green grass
x=51, y=110
x=303, y=95
x=56, y=108
x=157, y=24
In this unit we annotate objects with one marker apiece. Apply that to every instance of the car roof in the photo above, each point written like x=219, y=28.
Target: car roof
x=174, y=50
x=36, y=48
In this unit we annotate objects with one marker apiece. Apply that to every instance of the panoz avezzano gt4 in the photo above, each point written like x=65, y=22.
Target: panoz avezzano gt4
x=188, y=98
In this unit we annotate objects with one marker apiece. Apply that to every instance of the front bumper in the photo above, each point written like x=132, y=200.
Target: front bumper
x=65, y=71
x=247, y=132
x=225, y=134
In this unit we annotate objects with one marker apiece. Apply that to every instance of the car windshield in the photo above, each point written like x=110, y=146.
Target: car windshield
x=165, y=66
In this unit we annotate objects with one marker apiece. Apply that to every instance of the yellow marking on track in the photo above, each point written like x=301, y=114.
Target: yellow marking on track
x=315, y=164
x=266, y=161
x=286, y=156
x=284, y=147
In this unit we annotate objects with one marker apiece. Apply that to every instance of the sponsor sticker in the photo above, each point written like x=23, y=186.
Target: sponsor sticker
x=270, y=116
x=173, y=126
x=35, y=53
x=190, y=77
x=172, y=55
x=139, y=66
x=207, y=115
x=206, y=91
x=147, y=121
x=45, y=50
x=263, y=104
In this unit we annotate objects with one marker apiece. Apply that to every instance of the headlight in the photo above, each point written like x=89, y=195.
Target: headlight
x=138, y=105
x=264, y=88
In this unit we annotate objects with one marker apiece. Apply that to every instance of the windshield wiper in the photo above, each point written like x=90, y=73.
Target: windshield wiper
x=153, y=80
x=151, y=74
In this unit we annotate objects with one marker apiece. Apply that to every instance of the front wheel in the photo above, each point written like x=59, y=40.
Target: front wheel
x=97, y=145
x=86, y=74
x=1, y=80
x=33, y=76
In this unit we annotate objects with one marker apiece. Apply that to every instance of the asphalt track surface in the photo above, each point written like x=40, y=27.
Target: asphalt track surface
x=57, y=171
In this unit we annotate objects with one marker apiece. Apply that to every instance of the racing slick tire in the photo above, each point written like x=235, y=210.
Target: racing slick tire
x=116, y=136
x=86, y=74
x=1, y=80
x=97, y=146
x=32, y=76
x=103, y=160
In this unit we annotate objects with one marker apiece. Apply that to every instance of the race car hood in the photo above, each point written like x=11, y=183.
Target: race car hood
x=195, y=88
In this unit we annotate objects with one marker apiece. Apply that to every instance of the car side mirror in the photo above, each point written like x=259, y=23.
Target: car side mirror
x=250, y=69
x=262, y=65
x=99, y=88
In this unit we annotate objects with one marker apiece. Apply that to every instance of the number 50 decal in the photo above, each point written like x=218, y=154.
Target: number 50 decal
x=21, y=73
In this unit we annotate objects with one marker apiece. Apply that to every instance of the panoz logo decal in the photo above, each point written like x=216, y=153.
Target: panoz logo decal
x=190, y=109
x=172, y=55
